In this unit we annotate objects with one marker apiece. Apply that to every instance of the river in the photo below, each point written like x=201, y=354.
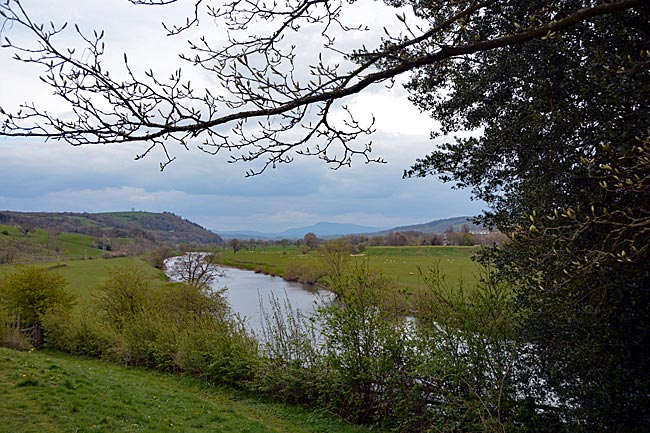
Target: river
x=246, y=289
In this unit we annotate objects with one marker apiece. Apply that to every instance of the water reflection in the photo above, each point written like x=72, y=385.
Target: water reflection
x=246, y=289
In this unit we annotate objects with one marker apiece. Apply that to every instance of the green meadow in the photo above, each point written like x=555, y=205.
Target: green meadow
x=84, y=276
x=52, y=392
x=42, y=245
x=403, y=264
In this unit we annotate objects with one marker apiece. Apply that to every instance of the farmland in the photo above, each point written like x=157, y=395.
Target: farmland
x=400, y=263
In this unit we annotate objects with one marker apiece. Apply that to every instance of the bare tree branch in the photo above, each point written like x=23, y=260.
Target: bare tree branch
x=260, y=110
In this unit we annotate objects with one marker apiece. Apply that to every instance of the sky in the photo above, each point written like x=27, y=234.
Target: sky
x=55, y=177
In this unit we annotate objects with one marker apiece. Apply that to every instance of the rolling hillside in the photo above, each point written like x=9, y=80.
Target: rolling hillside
x=437, y=226
x=161, y=228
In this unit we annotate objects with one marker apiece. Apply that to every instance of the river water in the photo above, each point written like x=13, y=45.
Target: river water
x=249, y=292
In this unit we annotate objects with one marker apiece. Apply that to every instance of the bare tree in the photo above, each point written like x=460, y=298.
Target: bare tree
x=196, y=268
x=26, y=228
x=260, y=108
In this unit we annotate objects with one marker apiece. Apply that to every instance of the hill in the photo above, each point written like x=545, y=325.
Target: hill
x=436, y=226
x=158, y=228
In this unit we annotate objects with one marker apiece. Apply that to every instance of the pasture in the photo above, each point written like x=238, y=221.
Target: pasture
x=43, y=245
x=404, y=265
x=83, y=276
x=52, y=392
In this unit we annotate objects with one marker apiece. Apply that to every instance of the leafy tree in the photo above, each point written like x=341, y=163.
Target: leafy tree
x=125, y=294
x=284, y=243
x=27, y=295
x=336, y=259
x=29, y=292
x=311, y=241
x=562, y=159
x=236, y=245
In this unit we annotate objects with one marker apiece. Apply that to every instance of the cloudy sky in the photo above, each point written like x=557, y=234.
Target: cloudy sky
x=53, y=176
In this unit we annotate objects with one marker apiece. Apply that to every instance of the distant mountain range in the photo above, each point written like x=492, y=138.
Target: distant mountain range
x=330, y=230
x=321, y=229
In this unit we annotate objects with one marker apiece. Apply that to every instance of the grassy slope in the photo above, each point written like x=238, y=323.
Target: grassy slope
x=52, y=392
x=40, y=244
x=83, y=276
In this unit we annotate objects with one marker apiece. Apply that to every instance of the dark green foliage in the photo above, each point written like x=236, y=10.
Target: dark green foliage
x=562, y=159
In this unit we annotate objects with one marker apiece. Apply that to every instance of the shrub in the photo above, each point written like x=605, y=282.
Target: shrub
x=366, y=349
x=29, y=292
x=124, y=295
x=26, y=295
x=220, y=352
x=467, y=354
x=303, y=272
x=79, y=333
x=291, y=367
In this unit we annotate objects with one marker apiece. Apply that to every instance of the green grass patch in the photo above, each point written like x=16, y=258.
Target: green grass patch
x=52, y=392
x=83, y=276
x=399, y=263
x=42, y=245
x=403, y=263
x=76, y=245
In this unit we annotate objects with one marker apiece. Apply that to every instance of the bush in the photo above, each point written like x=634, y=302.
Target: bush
x=367, y=350
x=10, y=335
x=303, y=272
x=79, y=333
x=220, y=352
x=29, y=292
x=174, y=327
x=26, y=295
x=125, y=294
x=467, y=354
x=292, y=366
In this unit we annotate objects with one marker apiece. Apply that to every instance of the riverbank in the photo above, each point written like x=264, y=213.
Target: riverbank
x=406, y=267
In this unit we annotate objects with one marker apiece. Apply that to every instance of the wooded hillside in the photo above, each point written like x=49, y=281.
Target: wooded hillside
x=156, y=227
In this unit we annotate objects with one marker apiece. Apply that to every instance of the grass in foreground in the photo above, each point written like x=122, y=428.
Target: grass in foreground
x=53, y=392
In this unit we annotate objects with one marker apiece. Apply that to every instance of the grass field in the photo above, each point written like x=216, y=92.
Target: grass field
x=41, y=245
x=83, y=276
x=400, y=263
x=52, y=392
